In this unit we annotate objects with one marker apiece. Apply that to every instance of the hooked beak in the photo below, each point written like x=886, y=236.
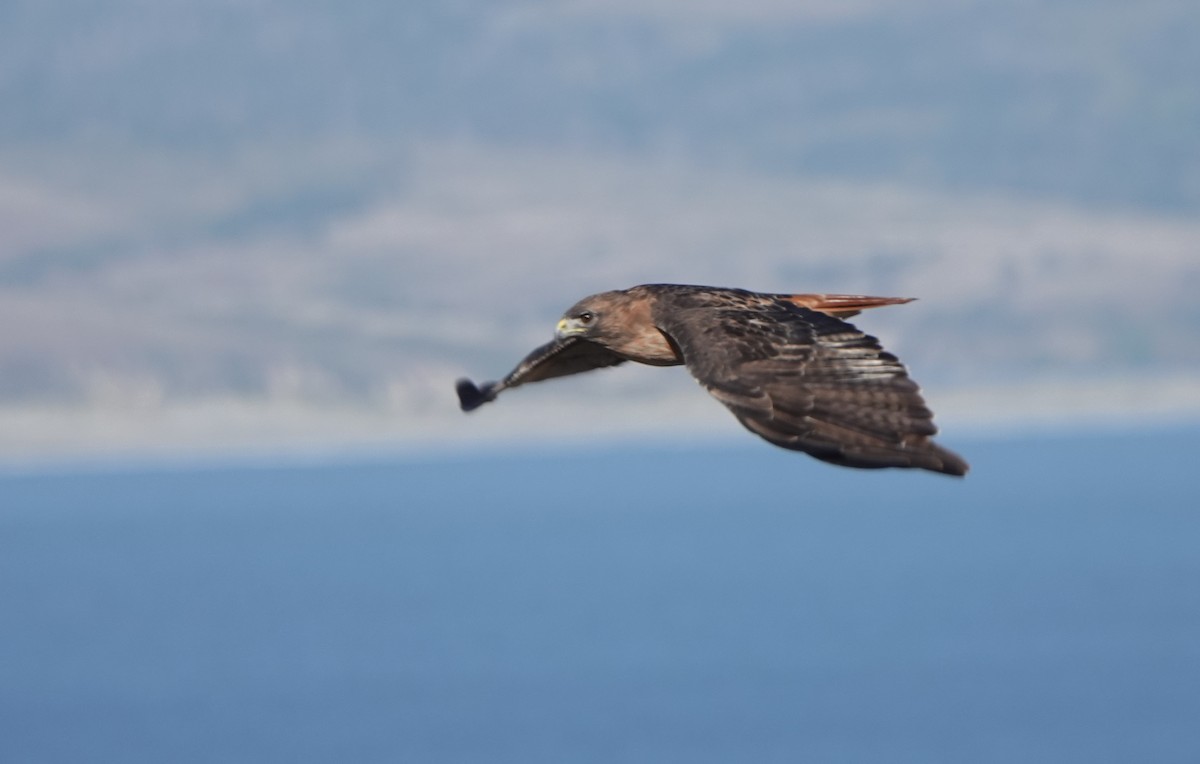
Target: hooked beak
x=568, y=327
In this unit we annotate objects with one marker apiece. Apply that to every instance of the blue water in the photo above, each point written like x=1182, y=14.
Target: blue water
x=636, y=605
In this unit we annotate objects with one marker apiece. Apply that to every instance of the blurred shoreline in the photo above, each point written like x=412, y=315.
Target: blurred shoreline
x=231, y=430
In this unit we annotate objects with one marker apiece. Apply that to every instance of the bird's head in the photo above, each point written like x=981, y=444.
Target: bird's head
x=575, y=324
x=585, y=318
x=622, y=322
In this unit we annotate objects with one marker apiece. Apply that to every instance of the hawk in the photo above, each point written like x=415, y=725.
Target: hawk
x=787, y=365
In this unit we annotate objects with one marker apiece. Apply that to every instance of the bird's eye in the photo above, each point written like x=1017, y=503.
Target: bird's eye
x=586, y=317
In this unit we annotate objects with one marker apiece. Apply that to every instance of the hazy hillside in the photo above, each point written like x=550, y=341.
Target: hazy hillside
x=254, y=223
x=1085, y=99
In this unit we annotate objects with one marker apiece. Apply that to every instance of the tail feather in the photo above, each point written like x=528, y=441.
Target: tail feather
x=843, y=305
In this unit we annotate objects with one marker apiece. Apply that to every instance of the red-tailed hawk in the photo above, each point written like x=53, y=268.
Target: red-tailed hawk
x=787, y=366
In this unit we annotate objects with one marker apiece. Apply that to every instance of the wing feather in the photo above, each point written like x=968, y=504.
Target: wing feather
x=559, y=358
x=804, y=380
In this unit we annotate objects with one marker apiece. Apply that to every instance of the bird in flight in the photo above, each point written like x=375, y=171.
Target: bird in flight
x=787, y=365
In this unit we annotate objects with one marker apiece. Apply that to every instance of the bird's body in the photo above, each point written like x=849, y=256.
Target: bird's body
x=788, y=367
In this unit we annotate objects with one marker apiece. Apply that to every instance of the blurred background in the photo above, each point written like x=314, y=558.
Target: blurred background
x=264, y=225
x=246, y=247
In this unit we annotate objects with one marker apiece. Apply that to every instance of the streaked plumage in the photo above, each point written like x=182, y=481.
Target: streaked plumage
x=787, y=366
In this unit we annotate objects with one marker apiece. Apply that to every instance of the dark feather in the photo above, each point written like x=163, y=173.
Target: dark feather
x=554, y=359
x=802, y=379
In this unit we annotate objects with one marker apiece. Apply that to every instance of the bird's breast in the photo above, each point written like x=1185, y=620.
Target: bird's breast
x=650, y=346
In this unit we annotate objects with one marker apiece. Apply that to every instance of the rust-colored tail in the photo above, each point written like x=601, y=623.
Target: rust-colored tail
x=843, y=305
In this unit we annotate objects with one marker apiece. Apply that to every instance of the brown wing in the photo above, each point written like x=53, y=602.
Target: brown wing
x=804, y=380
x=554, y=359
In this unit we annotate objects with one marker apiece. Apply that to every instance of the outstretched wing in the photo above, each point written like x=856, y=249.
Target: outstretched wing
x=804, y=380
x=554, y=359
